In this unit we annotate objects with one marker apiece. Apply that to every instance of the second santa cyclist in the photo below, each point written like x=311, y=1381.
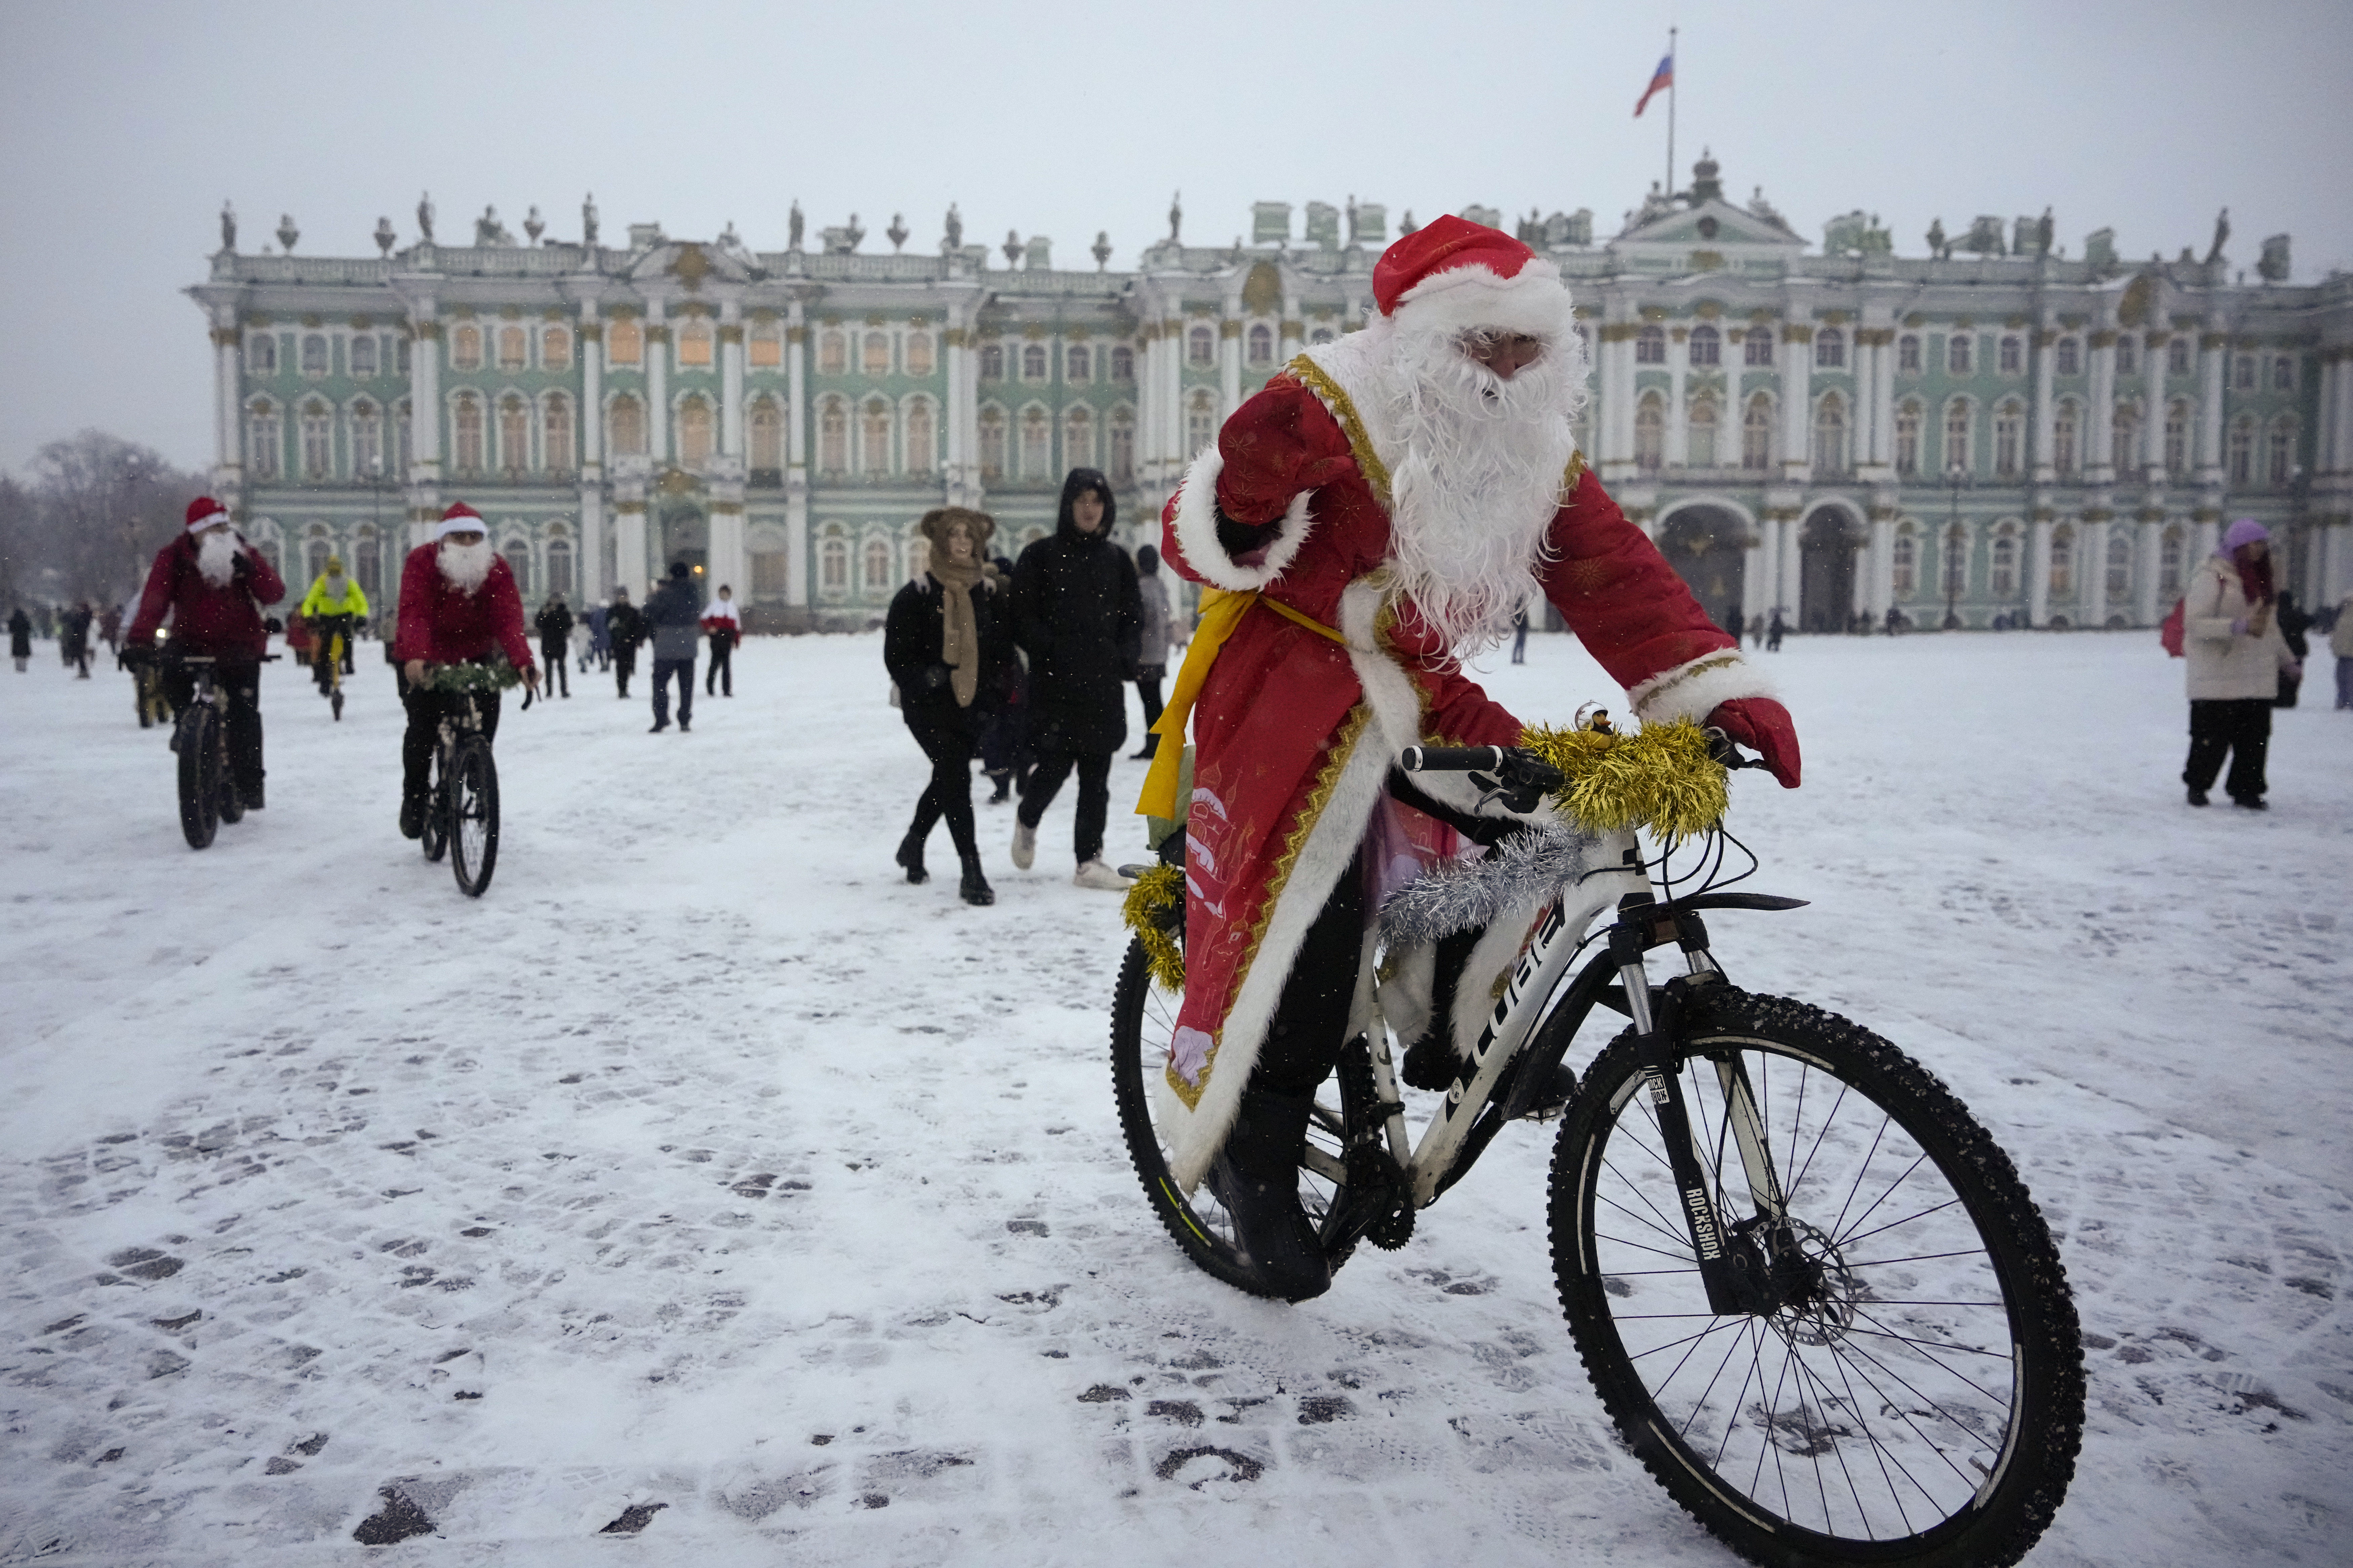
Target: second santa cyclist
x=459, y=605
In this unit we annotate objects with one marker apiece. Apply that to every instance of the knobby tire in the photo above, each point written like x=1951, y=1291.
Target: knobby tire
x=473, y=816
x=200, y=780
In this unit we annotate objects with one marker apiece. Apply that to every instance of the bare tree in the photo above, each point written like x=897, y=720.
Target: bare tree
x=103, y=507
x=20, y=535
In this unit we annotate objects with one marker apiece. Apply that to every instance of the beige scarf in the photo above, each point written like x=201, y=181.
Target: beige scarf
x=960, y=630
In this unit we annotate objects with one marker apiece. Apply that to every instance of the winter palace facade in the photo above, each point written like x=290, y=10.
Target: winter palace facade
x=1831, y=431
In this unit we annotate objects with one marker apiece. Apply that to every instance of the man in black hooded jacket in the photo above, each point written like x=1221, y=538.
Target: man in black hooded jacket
x=1077, y=614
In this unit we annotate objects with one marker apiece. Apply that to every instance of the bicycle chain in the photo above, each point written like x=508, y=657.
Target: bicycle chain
x=1371, y=1170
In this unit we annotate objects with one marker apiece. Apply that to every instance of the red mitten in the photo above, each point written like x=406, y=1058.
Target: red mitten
x=1763, y=726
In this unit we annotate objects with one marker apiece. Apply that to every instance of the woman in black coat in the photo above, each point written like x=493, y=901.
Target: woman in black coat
x=947, y=649
x=1077, y=615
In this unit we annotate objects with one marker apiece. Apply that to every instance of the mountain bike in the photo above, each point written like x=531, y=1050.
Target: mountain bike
x=200, y=738
x=461, y=815
x=1813, y=1295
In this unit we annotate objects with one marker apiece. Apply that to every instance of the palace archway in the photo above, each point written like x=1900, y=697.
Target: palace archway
x=1708, y=547
x=1826, y=568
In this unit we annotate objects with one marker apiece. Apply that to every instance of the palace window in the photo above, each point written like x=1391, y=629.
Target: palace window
x=875, y=359
x=1760, y=346
x=1830, y=349
x=1756, y=434
x=513, y=351
x=833, y=567
x=400, y=351
x=363, y=356
x=1201, y=346
x=992, y=364
x=2009, y=433
x=771, y=574
x=2005, y=564
x=368, y=564
x=832, y=353
x=1707, y=346
x=919, y=555
x=2119, y=566
x=1957, y=434
x=2127, y=354
x=694, y=343
x=1650, y=435
x=1960, y=353
x=555, y=434
x=1907, y=354
x=514, y=435
x=2124, y=441
x=767, y=436
x=2066, y=433
x=992, y=444
x=1651, y=346
x=2283, y=373
x=1905, y=563
x=1033, y=363
x=625, y=343
x=317, y=440
x=1123, y=363
x=559, y=567
x=1200, y=422
x=693, y=431
x=2013, y=355
x=261, y=354
x=406, y=454
x=367, y=440
x=1036, y=445
x=315, y=355
x=518, y=554
x=2062, y=563
x=1260, y=342
x=2243, y=373
x=625, y=426
x=1122, y=447
x=467, y=422
x=555, y=349
x=2177, y=357
x=315, y=553
x=874, y=435
x=2070, y=358
x=2168, y=562
x=1077, y=439
x=1699, y=437
x=2279, y=460
x=466, y=348
x=2242, y=451
x=768, y=347
x=919, y=354
x=1077, y=364
x=923, y=444
x=1907, y=439
x=878, y=574
x=833, y=438
x=2176, y=438
x=1829, y=436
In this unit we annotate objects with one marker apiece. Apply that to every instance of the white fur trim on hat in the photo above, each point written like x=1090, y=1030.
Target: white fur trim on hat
x=451, y=525
x=1464, y=299
x=1195, y=528
x=219, y=514
x=1692, y=690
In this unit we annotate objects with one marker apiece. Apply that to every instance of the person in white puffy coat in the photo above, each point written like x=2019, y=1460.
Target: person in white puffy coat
x=2232, y=638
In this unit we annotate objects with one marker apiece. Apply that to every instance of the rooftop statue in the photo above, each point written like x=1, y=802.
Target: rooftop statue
x=228, y=226
x=954, y=227
x=1176, y=216
x=385, y=236
x=588, y=221
x=2222, y=235
x=796, y=223
x=424, y=217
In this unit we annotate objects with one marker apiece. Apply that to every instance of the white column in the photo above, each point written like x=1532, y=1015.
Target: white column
x=1731, y=425
x=1789, y=582
x=1879, y=585
x=2038, y=573
x=2337, y=565
x=1797, y=368
x=629, y=545
x=228, y=403
x=2344, y=420
x=959, y=406
x=1230, y=357
x=2146, y=558
x=796, y=530
x=593, y=586
x=425, y=400
x=2215, y=349
x=2044, y=408
x=731, y=383
x=2100, y=419
x=2203, y=534
x=657, y=383
x=2152, y=425
x=2092, y=568
x=1678, y=444
x=2328, y=456
x=591, y=335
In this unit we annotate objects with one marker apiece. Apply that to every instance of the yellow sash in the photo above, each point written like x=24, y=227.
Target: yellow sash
x=1221, y=611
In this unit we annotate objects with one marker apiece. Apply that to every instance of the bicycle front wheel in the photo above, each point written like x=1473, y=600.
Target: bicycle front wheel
x=435, y=839
x=1918, y=1398
x=473, y=816
x=200, y=775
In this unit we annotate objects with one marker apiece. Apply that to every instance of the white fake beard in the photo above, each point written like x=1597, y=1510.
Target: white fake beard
x=1479, y=482
x=216, y=558
x=466, y=567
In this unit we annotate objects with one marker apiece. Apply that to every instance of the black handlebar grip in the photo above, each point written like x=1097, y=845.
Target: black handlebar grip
x=1450, y=759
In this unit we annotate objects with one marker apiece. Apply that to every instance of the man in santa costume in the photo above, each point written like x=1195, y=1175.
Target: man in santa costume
x=213, y=583
x=1385, y=501
x=459, y=605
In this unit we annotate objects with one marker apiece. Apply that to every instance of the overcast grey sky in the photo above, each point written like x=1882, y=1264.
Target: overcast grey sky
x=125, y=125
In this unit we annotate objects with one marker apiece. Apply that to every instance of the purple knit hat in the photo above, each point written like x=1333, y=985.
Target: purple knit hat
x=2246, y=531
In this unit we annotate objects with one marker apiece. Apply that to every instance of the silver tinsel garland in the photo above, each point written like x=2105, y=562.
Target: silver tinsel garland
x=1465, y=894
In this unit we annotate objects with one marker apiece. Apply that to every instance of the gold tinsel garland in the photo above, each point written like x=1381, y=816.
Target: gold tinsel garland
x=1660, y=777
x=1153, y=908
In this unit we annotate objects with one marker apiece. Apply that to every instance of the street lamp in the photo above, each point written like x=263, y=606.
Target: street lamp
x=1957, y=479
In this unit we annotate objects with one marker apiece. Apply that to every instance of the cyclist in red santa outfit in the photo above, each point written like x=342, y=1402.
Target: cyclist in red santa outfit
x=212, y=583
x=459, y=605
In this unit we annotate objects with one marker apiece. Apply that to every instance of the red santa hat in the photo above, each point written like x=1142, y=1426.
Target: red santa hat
x=204, y=511
x=461, y=519
x=1454, y=275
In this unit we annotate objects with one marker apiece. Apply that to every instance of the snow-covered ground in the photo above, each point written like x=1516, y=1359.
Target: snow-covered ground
x=707, y=1178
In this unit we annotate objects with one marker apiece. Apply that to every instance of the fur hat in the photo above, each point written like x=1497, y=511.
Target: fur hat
x=461, y=518
x=204, y=511
x=1453, y=275
x=937, y=523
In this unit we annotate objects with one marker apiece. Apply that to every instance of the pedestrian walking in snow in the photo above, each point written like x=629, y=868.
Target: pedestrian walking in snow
x=947, y=646
x=2341, y=643
x=2295, y=621
x=669, y=615
x=20, y=638
x=553, y=624
x=1077, y=612
x=1775, y=630
x=1152, y=643
x=73, y=639
x=599, y=648
x=724, y=626
x=110, y=629
x=1520, y=635
x=2232, y=638
x=625, y=630
x=213, y=583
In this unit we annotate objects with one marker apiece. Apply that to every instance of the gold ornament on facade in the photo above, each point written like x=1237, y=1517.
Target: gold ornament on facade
x=730, y=332
x=689, y=266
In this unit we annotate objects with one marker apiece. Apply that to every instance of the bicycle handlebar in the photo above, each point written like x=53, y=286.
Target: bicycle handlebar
x=1491, y=758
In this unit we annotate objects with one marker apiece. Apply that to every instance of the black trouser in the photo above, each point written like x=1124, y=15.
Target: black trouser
x=242, y=684
x=551, y=652
x=948, y=735
x=427, y=709
x=722, y=665
x=684, y=669
x=324, y=632
x=1310, y=1018
x=624, y=665
x=1094, y=795
x=2241, y=726
x=1147, y=687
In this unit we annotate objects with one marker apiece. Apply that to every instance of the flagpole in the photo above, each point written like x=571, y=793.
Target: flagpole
x=1670, y=115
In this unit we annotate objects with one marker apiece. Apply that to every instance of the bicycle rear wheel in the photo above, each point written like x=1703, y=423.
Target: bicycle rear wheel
x=473, y=816
x=1919, y=1399
x=1143, y=1018
x=200, y=775
x=435, y=839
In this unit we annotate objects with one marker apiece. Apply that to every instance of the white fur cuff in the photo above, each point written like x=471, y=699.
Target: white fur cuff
x=1693, y=691
x=1197, y=530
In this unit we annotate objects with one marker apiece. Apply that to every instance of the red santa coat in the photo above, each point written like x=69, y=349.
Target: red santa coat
x=1295, y=732
x=441, y=626
x=222, y=621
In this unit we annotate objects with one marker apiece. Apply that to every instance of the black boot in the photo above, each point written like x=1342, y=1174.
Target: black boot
x=911, y=854
x=1256, y=1176
x=976, y=888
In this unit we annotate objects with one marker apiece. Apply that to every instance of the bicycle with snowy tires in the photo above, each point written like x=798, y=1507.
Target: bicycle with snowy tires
x=1811, y=1291
x=461, y=813
x=208, y=795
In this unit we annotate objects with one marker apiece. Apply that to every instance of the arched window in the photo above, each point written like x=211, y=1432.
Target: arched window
x=1078, y=438
x=314, y=555
x=468, y=440
x=2242, y=451
x=2062, y=562
x=1122, y=447
x=1650, y=434
x=363, y=356
x=1756, y=434
x=832, y=353
x=2066, y=439
x=1907, y=438
x=1077, y=364
x=625, y=426
x=555, y=351
x=694, y=343
x=1200, y=347
x=1830, y=349
x=518, y=554
x=1829, y=435
x=261, y=354
x=1261, y=342
x=368, y=562
x=880, y=578
x=268, y=548
x=1960, y=353
x=555, y=434
x=2279, y=458
x=2119, y=566
x=992, y=363
x=2013, y=354
x=767, y=436
x=2168, y=562
x=874, y=438
x=2177, y=437
x=2243, y=373
x=877, y=357
x=515, y=435
x=317, y=440
x=1319, y=335
x=693, y=431
x=1033, y=363
x=559, y=568
x=1699, y=435
x=1760, y=347
x=513, y=350
x=2004, y=583
x=625, y=343
x=833, y=567
x=1957, y=434
x=1907, y=354
x=367, y=440
x=2283, y=373
x=1200, y=422
x=1036, y=445
x=992, y=444
x=765, y=348
x=2124, y=441
x=833, y=438
x=917, y=352
x=2070, y=359
x=1905, y=564
x=2008, y=437
x=315, y=355
x=466, y=348
x=2176, y=355
x=1123, y=363
x=1651, y=346
x=1707, y=346
x=922, y=442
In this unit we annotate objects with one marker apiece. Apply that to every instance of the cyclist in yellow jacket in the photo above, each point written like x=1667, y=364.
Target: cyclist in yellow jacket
x=333, y=605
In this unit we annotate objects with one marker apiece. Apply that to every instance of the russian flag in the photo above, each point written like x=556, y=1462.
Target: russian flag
x=1663, y=78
